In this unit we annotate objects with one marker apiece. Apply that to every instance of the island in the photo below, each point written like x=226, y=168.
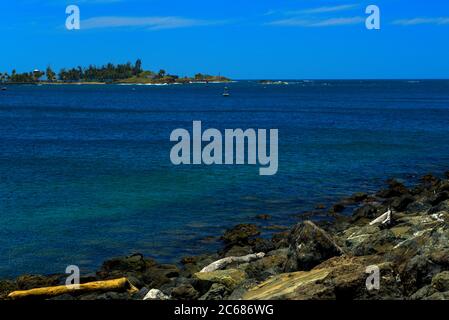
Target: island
x=110, y=73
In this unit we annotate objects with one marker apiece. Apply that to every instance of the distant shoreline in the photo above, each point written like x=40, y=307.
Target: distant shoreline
x=112, y=83
x=110, y=73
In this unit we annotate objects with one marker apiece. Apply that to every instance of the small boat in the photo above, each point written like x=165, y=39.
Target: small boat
x=3, y=89
x=226, y=92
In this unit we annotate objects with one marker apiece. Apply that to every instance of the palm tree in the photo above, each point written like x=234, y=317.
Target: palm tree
x=161, y=73
x=51, y=75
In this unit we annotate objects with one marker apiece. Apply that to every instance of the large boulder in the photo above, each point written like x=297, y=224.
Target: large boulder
x=338, y=278
x=309, y=246
x=285, y=286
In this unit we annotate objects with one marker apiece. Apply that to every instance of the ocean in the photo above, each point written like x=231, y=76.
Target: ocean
x=85, y=170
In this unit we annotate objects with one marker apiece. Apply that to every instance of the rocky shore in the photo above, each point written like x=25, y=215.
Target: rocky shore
x=403, y=232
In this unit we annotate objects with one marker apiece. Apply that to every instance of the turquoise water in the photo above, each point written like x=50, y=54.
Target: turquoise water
x=85, y=173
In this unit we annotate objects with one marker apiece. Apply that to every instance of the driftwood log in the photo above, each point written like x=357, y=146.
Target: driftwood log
x=120, y=285
x=383, y=219
x=220, y=264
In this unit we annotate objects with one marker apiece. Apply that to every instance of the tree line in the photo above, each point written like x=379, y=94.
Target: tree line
x=109, y=73
x=106, y=73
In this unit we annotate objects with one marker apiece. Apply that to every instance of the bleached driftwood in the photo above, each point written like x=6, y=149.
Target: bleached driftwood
x=383, y=219
x=121, y=285
x=220, y=264
x=155, y=294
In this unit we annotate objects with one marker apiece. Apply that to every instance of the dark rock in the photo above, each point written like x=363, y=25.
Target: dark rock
x=429, y=180
x=120, y=266
x=240, y=234
x=367, y=211
x=423, y=293
x=395, y=189
x=6, y=287
x=443, y=186
x=185, y=292
x=418, y=207
x=338, y=207
x=359, y=196
x=156, y=276
x=187, y=260
x=442, y=206
x=237, y=293
x=141, y=271
x=267, y=266
x=263, y=217
x=189, y=269
x=230, y=278
x=372, y=243
x=135, y=281
x=309, y=246
x=88, y=278
x=263, y=245
x=209, y=239
x=141, y=294
x=216, y=292
x=439, y=296
x=275, y=227
x=280, y=239
x=238, y=251
x=441, y=281
x=440, y=257
x=400, y=203
x=106, y=296
x=63, y=297
x=27, y=282
x=416, y=273
x=438, y=198
x=167, y=287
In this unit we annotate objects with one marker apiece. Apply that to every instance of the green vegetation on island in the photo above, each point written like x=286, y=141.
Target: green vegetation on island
x=127, y=73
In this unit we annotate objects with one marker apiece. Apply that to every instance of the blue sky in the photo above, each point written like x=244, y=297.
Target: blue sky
x=245, y=39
